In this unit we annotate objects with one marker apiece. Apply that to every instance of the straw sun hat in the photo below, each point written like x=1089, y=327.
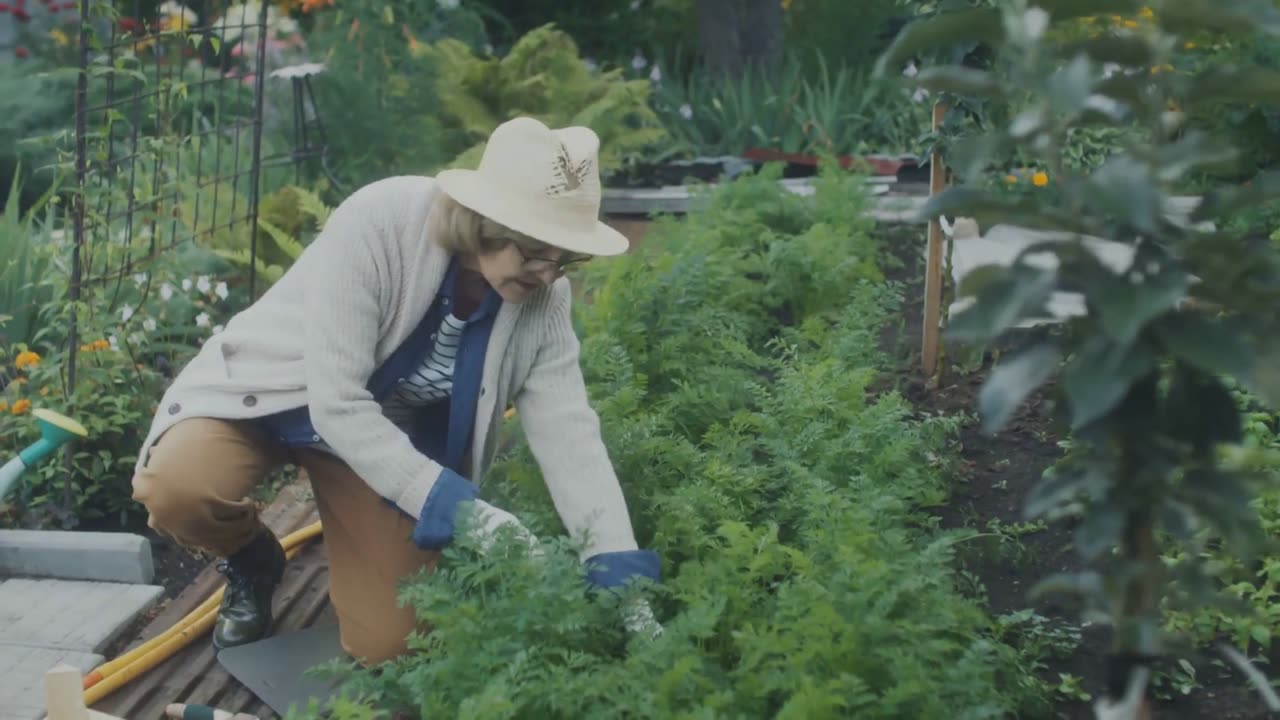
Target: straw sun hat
x=541, y=182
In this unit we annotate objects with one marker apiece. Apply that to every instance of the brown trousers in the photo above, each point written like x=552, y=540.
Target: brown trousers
x=195, y=486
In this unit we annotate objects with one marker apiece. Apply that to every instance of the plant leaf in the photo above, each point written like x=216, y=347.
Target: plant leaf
x=1012, y=381
x=1251, y=85
x=1125, y=308
x=977, y=25
x=1240, y=17
x=1219, y=203
x=1205, y=343
x=960, y=80
x=1071, y=86
x=1100, y=375
x=1002, y=302
x=1052, y=491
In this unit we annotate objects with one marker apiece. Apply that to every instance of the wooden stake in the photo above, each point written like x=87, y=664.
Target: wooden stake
x=933, y=278
x=64, y=696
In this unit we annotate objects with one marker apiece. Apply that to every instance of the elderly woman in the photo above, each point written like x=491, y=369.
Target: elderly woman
x=382, y=363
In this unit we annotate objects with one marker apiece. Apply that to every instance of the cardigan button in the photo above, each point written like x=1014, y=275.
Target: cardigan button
x=483, y=390
x=250, y=401
x=174, y=409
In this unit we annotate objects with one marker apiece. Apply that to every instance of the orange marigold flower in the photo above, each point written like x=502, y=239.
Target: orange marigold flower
x=101, y=345
x=309, y=5
x=1011, y=179
x=4, y=406
x=26, y=359
x=1040, y=179
x=21, y=407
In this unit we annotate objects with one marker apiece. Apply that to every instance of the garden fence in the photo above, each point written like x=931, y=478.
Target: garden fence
x=168, y=142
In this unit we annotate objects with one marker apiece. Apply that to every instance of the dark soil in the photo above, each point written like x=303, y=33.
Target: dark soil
x=997, y=474
x=175, y=568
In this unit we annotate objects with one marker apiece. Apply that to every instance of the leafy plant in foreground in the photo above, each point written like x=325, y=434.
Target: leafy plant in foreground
x=784, y=498
x=1142, y=376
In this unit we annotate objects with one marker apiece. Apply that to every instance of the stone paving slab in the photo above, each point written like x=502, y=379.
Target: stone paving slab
x=44, y=622
x=76, y=555
x=22, y=672
x=69, y=614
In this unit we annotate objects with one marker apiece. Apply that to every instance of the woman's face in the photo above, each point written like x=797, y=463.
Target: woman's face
x=522, y=267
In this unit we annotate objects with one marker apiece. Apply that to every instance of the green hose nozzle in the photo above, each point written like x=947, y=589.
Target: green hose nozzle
x=55, y=431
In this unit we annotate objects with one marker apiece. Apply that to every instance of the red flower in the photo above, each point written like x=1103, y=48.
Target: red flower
x=21, y=15
x=4, y=7
x=21, y=52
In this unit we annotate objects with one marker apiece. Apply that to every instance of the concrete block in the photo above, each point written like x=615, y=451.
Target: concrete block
x=70, y=614
x=71, y=555
x=22, y=672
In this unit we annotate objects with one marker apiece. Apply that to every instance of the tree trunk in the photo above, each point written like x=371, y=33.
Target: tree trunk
x=737, y=34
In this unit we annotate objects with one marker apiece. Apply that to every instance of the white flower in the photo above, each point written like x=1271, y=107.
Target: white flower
x=203, y=284
x=186, y=284
x=655, y=75
x=149, y=324
x=202, y=320
x=639, y=62
x=217, y=329
x=635, y=4
x=911, y=70
x=686, y=111
x=140, y=279
x=1034, y=22
x=920, y=95
x=221, y=290
x=166, y=291
x=115, y=344
x=126, y=312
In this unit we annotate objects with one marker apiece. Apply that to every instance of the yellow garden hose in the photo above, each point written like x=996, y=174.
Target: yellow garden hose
x=111, y=676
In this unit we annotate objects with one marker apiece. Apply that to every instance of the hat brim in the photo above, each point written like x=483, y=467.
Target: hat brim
x=476, y=193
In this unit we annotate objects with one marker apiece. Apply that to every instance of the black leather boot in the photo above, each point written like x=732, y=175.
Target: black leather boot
x=252, y=576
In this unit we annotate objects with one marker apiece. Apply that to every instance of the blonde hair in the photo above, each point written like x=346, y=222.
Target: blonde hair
x=461, y=230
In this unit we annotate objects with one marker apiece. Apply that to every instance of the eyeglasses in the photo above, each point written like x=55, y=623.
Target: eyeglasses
x=535, y=264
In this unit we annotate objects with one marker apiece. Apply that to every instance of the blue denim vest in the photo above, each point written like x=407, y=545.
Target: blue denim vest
x=441, y=431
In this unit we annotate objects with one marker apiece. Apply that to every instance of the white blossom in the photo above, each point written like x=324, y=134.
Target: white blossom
x=115, y=344
x=203, y=284
x=655, y=75
x=186, y=284
x=140, y=278
x=166, y=291
x=686, y=111
x=221, y=290
x=217, y=329
x=639, y=62
x=149, y=324
x=126, y=312
x=202, y=320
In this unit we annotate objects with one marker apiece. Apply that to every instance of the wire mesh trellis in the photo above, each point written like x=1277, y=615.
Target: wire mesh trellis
x=168, y=144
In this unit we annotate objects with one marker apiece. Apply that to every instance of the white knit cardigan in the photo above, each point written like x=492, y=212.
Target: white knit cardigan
x=348, y=302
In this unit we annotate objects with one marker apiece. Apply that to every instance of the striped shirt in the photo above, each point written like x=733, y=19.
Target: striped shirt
x=433, y=379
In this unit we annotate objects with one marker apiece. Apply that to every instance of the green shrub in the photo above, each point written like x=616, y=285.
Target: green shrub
x=131, y=335
x=542, y=77
x=784, y=497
